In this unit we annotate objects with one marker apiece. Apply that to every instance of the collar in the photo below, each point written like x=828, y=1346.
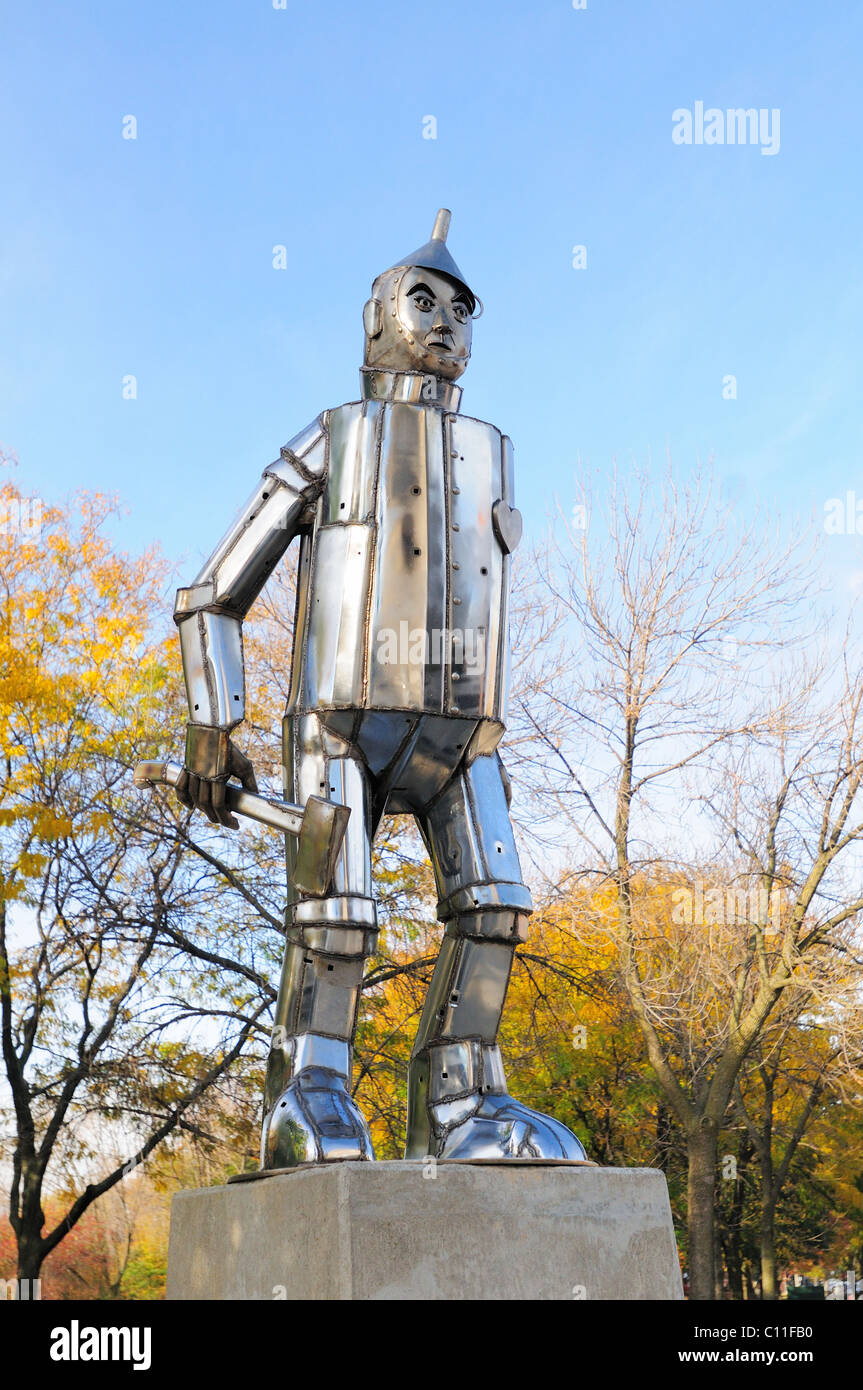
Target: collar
x=378, y=384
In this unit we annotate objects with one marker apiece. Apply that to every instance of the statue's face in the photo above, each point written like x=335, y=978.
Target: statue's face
x=423, y=322
x=435, y=314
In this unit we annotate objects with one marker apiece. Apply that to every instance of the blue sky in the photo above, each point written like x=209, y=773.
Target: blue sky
x=304, y=127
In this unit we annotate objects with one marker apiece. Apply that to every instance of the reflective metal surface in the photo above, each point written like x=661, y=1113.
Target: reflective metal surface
x=315, y=1120
x=419, y=316
x=434, y=255
x=405, y=513
x=459, y=1108
x=379, y=385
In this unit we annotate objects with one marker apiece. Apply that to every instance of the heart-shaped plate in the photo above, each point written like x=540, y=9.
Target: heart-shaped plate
x=507, y=524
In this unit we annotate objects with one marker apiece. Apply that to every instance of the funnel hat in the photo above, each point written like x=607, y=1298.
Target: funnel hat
x=434, y=255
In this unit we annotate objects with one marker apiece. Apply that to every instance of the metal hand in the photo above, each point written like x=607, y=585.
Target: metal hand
x=211, y=758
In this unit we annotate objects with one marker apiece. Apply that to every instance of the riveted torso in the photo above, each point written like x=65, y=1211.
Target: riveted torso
x=403, y=589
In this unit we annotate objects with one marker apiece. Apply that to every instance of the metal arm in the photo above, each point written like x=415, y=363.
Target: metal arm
x=209, y=613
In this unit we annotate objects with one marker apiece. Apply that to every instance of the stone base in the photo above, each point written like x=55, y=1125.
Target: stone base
x=424, y=1230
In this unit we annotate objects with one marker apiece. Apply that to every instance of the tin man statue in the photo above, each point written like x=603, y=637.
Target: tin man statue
x=404, y=509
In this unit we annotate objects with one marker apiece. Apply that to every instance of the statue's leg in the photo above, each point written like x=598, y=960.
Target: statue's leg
x=458, y=1105
x=309, y=1114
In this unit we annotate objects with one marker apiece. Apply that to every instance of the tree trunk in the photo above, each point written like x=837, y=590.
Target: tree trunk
x=701, y=1146
x=769, y=1289
x=28, y=1223
x=718, y=1271
x=29, y=1256
x=734, y=1264
x=731, y=1240
x=748, y=1286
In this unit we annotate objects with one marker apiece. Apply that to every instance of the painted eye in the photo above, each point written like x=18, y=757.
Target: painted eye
x=423, y=303
x=460, y=312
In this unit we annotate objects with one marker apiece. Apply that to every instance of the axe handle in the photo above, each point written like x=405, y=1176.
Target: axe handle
x=319, y=825
x=281, y=815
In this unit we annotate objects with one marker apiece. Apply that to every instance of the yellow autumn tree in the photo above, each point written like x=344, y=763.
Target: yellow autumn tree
x=96, y=1006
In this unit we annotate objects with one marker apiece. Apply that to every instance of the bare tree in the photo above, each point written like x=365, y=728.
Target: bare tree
x=681, y=615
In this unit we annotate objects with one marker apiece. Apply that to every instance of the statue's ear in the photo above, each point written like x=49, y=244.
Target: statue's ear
x=373, y=316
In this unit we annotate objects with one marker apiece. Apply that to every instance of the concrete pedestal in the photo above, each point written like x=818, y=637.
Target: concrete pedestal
x=418, y=1230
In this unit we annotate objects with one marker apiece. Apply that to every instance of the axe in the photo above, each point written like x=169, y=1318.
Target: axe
x=319, y=825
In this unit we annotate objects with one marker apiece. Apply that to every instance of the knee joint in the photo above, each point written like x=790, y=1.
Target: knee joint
x=501, y=924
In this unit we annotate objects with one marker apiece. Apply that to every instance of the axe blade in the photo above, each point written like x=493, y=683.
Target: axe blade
x=320, y=843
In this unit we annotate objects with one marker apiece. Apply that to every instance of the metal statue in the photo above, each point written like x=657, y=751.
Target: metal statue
x=404, y=509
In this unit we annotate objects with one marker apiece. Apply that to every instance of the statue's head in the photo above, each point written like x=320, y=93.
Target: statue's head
x=420, y=315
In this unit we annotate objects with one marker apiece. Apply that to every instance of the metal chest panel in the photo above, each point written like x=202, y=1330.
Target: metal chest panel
x=408, y=602
x=352, y=477
x=338, y=595
x=405, y=604
x=477, y=565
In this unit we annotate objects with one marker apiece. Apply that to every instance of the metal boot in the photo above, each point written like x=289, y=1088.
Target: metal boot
x=458, y=1104
x=310, y=1116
